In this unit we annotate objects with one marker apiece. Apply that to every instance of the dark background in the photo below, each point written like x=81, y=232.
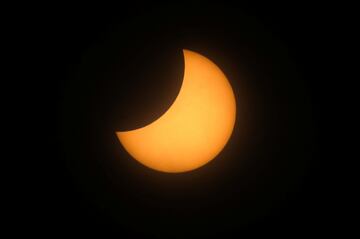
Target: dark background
x=121, y=68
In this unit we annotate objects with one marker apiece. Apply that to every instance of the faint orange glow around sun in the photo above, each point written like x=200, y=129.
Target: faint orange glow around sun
x=195, y=128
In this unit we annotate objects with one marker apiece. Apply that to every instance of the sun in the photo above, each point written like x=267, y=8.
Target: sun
x=195, y=128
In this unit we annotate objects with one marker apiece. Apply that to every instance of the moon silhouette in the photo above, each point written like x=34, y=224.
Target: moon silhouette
x=195, y=128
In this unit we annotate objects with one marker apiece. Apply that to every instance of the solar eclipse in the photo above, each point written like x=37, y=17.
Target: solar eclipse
x=195, y=128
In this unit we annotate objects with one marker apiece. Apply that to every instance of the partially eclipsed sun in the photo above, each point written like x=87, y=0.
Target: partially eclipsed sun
x=194, y=129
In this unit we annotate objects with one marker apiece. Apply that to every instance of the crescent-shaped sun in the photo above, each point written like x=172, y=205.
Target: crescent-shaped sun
x=195, y=128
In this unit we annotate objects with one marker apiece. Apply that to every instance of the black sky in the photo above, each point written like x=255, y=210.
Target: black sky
x=121, y=68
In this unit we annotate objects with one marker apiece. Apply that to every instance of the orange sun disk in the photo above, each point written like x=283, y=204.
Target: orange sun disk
x=195, y=128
